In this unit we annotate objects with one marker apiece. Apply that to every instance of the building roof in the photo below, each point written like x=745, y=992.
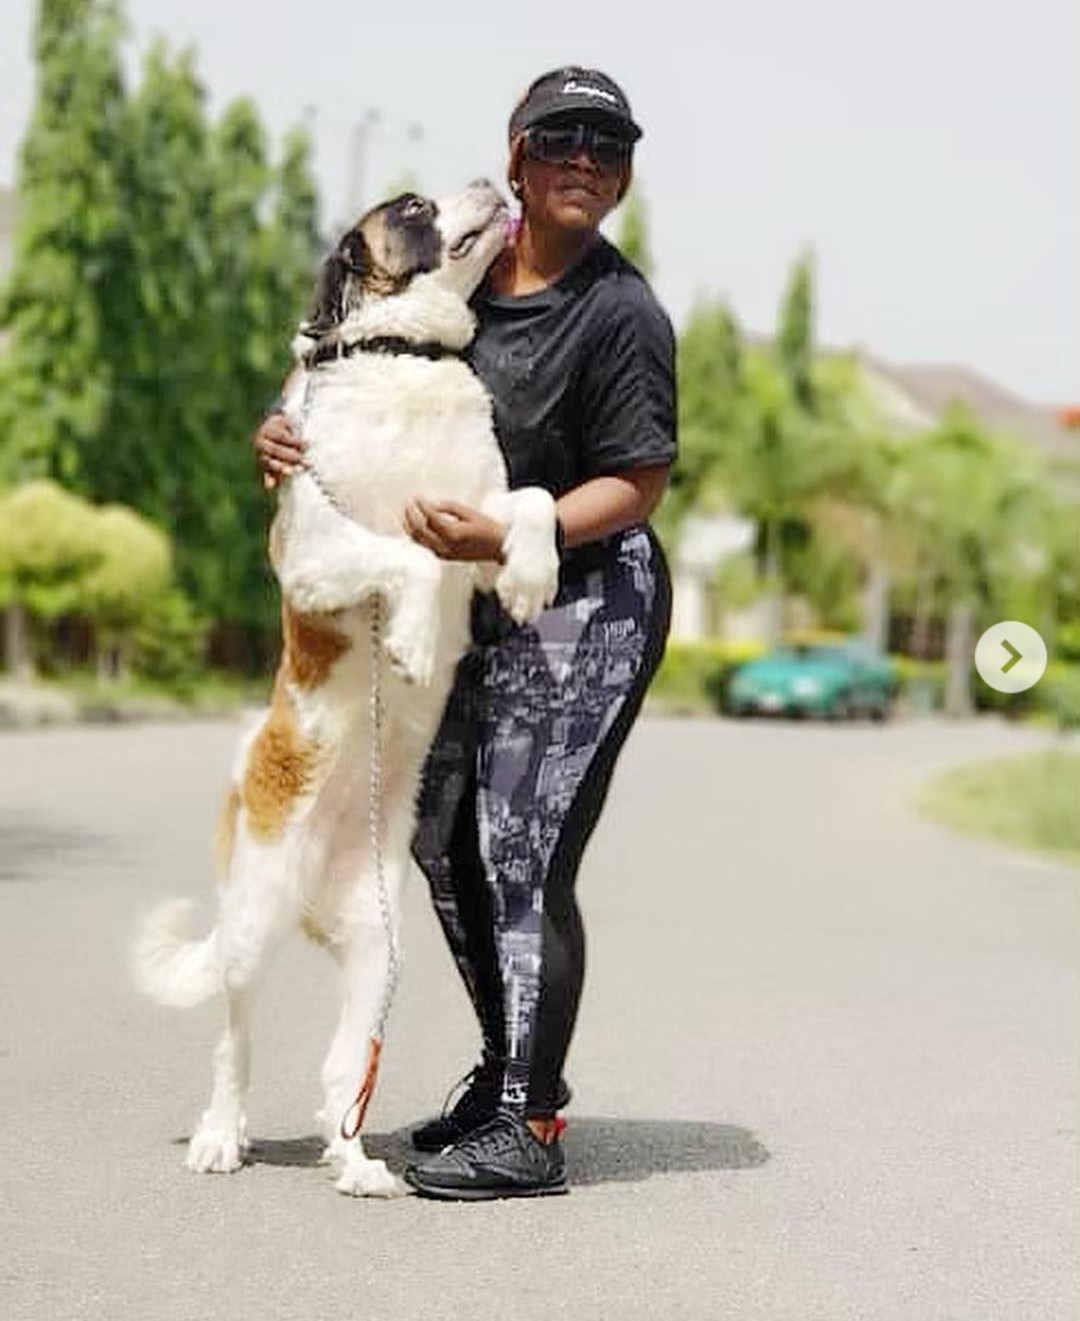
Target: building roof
x=913, y=396
x=930, y=388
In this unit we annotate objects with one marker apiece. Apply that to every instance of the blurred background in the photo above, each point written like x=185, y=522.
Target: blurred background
x=862, y=219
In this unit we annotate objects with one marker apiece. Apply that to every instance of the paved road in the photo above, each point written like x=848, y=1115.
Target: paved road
x=825, y=1069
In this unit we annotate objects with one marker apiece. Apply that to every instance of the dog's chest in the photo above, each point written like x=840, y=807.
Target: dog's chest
x=379, y=438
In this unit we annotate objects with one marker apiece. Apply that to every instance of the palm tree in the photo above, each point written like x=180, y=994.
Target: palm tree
x=975, y=505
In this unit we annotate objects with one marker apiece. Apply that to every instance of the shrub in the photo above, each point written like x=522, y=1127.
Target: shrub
x=693, y=676
x=169, y=645
x=1059, y=694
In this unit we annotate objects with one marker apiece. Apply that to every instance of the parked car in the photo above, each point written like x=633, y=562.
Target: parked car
x=837, y=681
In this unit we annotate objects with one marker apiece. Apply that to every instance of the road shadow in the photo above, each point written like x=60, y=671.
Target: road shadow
x=598, y=1150
x=32, y=849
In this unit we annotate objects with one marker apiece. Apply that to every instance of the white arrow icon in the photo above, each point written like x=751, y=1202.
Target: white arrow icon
x=1010, y=657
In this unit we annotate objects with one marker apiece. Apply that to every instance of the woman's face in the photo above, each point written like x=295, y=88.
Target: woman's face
x=574, y=194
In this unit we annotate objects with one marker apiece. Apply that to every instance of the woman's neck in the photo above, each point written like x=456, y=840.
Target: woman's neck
x=539, y=257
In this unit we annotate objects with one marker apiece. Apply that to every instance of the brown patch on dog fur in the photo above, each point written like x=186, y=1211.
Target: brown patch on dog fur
x=225, y=835
x=313, y=646
x=379, y=279
x=280, y=767
x=310, y=927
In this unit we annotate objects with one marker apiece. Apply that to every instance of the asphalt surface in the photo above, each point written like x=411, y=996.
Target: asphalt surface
x=826, y=1064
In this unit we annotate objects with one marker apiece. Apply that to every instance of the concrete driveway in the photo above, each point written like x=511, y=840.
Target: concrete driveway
x=826, y=1065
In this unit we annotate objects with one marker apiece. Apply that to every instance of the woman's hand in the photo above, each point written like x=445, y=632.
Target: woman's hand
x=453, y=531
x=278, y=448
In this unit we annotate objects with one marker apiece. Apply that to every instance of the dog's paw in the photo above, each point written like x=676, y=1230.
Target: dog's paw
x=410, y=648
x=216, y=1150
x=526, y=585
x=335, y=1152
x=529, y=578
x=309, y=591
x=369, y=1178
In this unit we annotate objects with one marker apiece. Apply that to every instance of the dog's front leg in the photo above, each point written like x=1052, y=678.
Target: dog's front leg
x=344, y=565
x=363, y=971
x=528, y=578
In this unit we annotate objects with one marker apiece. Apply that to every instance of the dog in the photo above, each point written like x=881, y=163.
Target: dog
x=317, y=825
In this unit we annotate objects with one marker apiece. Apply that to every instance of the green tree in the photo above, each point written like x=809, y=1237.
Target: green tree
x=262, y=280
x=710, y=404
x=776, y=462
x=633, y=240
x=795, y=333
x=976, y=506
x=798, y=443
x=152, y=442
x=55, y=378
x=162, y=263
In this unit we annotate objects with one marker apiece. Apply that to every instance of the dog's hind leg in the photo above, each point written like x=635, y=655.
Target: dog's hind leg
x=257, y=906
x=219, y=1142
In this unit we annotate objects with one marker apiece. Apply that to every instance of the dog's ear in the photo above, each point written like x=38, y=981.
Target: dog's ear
x=326, y=308
x=355, y=253
x=351, y=257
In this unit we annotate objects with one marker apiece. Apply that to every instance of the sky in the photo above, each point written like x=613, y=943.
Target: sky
x=925, y=152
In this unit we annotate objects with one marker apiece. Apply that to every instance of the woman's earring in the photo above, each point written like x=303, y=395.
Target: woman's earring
x=515, y=187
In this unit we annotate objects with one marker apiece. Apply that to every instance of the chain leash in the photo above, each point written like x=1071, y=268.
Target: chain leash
x=375, y=783
x=375, y=797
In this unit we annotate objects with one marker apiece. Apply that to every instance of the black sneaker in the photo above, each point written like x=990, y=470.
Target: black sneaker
x=501, y=1158
x=477, y=1104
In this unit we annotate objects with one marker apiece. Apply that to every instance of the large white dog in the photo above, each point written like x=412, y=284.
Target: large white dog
x=390, y=411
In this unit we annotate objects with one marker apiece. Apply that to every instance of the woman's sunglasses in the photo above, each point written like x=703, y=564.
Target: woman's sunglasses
x=555, y=144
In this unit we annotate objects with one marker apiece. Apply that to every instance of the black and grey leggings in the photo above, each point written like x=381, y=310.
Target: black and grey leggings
x=513, y=787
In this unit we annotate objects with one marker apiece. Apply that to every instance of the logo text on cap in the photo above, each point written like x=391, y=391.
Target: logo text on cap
x=587, y=89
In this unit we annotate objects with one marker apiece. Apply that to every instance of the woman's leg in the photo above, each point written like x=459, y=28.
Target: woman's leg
x=445, y=849
x=556, y=703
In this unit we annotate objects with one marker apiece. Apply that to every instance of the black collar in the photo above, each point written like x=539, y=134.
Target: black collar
x=394, y=344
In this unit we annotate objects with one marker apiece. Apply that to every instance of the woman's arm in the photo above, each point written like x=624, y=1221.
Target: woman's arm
x=278, y=449
x=603, y=505
x=595, y=509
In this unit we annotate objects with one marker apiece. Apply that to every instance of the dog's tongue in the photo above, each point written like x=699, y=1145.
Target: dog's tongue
x=513, y=228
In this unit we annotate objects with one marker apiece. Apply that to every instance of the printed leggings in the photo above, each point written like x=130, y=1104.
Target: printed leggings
x=514, y=785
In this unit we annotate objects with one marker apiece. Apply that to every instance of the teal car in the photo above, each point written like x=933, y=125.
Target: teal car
x=836, y=681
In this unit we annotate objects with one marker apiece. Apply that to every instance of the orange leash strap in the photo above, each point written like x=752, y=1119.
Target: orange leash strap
x=363, y=1096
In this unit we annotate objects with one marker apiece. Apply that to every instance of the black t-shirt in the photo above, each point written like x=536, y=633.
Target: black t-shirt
x=582, y=373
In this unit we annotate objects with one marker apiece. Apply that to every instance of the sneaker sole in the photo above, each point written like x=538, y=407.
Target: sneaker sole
x=436, y=1193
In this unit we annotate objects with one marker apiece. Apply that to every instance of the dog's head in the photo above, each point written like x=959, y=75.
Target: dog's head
x=410, y=245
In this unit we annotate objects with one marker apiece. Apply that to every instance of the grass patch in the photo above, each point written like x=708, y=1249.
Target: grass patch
x=1030, y=801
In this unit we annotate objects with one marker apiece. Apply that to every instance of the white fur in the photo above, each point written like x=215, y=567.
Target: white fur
x=381, y=430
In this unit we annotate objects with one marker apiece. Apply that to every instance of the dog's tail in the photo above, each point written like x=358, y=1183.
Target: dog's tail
x=168, y=965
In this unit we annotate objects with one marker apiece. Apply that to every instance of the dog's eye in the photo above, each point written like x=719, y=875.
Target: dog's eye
x=415, y=206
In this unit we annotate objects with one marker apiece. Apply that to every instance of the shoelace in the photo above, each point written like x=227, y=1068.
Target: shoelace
x=494, y=1138
x=465, y=1083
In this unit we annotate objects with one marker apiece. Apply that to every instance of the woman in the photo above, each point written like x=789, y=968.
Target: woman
x=579, y=359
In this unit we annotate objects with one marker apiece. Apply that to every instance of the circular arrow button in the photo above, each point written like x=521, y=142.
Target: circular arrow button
x=1010, y=657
